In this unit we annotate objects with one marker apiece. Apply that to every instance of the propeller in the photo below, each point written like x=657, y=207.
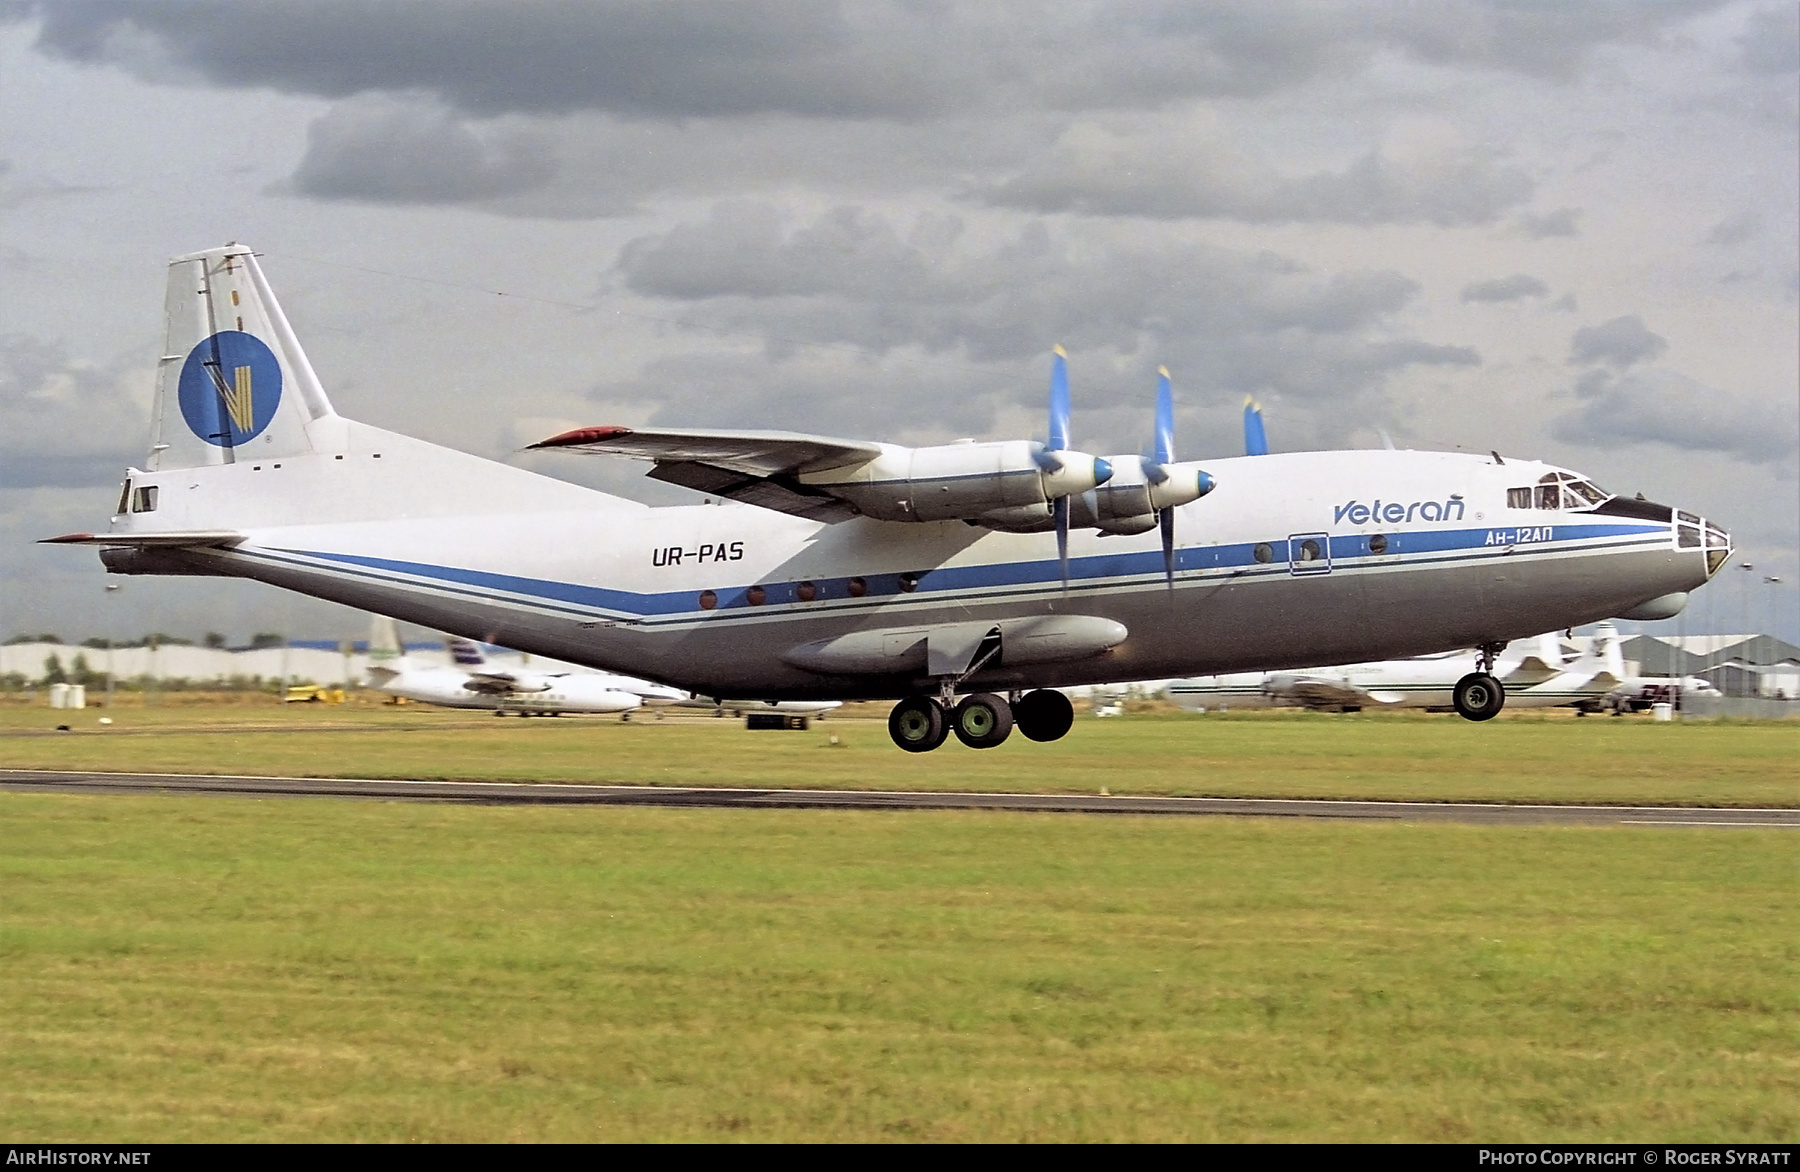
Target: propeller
x=1059, y=440
x=1256, y=441
x=1156, y=473
x=1065, y=471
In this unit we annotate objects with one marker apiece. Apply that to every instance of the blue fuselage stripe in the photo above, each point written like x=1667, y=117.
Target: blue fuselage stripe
x=1404, y=550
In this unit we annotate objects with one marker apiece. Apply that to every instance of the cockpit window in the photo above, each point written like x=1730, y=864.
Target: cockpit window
x=1557, y=490
x=1585, y=494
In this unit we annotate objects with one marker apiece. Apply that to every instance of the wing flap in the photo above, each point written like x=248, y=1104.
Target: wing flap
x=779, y=494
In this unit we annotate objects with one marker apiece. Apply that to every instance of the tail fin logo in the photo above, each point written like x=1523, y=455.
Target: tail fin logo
x=230, y=387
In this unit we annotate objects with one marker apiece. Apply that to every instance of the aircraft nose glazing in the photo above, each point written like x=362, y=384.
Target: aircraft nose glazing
x=1718, y=548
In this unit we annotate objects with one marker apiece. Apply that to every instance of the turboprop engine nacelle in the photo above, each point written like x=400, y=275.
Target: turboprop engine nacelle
x=1137, y=492
x=1006, y=485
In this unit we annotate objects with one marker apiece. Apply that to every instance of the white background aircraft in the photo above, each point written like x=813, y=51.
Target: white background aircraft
x=1535, y=674
x=469, y=680
x=837, y=569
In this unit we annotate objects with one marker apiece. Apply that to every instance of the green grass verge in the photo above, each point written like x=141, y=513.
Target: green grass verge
x=1302, y=755
x=226, y=969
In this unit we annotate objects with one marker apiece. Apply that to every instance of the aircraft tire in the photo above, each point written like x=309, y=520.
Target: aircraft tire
x=917, y=724
x=1044, y=715
x=1478, y=696
x=982, y=721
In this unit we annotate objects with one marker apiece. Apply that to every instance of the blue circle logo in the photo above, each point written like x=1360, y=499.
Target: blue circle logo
x=230, y=387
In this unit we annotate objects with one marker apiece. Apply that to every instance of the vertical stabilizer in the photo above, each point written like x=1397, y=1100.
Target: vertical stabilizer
x=1610, y=650
x=233, y=382
x=387, y=658
x=466, y=655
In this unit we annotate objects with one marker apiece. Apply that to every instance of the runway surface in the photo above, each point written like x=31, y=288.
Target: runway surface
x=548, y=794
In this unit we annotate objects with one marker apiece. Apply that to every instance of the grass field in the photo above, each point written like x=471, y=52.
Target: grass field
x=218, y=969
x=1534, y=757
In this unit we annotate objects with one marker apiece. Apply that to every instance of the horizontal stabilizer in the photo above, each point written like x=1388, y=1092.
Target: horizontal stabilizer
x=193, y=539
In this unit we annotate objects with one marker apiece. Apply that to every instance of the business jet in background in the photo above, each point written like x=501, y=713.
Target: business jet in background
x=968, y=581
x=469, y=680
x=1538, y=675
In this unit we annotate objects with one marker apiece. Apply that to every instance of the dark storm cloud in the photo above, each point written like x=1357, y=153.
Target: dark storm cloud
x=1513, y=288
x=63, y=424
x=682, y=58
x=1619, y=342
x=398, y=151
x=1663, y=407
x=1150, y=179
x=1226, y=321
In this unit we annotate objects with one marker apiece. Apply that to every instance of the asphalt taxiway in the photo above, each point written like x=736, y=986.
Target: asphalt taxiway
x=563, y=794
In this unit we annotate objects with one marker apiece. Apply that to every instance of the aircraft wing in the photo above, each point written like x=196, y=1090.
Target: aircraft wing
x=494, y=683
x=1317, y=693
x=756, y=467
x=1532, y=669
x=198, y=537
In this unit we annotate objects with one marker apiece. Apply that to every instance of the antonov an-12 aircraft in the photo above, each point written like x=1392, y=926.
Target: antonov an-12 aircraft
x=823, y=568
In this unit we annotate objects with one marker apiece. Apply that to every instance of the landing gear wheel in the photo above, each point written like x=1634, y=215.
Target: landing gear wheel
x=917, y=724
x=1478, y=696
x=982, y=721
x=1044, y=715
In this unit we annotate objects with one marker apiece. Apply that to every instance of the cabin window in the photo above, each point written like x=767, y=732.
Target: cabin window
x=806, y=592
x=124, y=497
x=1518, y=498
x=1378, y=544
x=1264, y=552
x=1309, y=551
x=708, y=600
x=144, y=499
x=756, y=596
x=858, y=587
x=909, y=583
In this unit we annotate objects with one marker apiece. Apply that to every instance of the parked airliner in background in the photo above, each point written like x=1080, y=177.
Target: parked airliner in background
x=470, y=681
x=1535, y=675
x=825, y=568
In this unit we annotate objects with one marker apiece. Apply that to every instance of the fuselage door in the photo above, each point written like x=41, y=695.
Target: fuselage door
x=1309, y=553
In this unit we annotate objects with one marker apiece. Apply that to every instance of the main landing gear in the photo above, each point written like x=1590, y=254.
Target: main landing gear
x=920, y=724
x=1478, y=695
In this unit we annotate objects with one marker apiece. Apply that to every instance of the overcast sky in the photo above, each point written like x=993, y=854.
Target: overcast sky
x=1563, y=230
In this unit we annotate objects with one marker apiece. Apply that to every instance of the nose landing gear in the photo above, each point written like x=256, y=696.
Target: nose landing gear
x=920, y=724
